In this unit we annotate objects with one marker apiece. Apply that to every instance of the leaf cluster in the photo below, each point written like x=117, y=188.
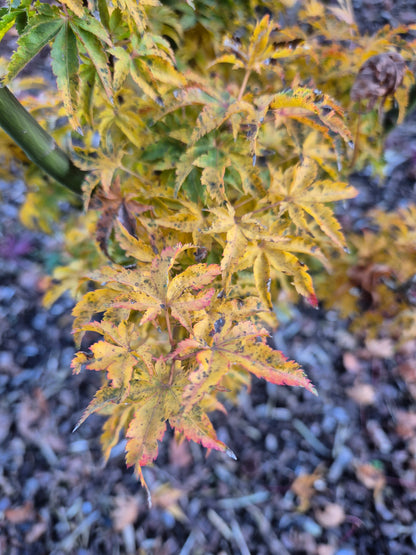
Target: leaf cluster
x=214, y=146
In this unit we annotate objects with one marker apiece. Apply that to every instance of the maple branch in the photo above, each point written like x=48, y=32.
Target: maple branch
x=244, y=84
x=37, y=144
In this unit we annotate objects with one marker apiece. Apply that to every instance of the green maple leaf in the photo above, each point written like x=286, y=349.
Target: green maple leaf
x=65, y=65
x=69, y=33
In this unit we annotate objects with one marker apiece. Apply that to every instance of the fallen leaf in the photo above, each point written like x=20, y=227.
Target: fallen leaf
x=20, y=514
x=362, y=393
x=166, y=497
x=5, y=423
x=351, y=363
x=380, y=348
x=378, y=77
x=371, y=477
x=406, y=424
x=325, y=549
x=303, y=487
x=407, y=371
x=331, y=516
x=125, y=511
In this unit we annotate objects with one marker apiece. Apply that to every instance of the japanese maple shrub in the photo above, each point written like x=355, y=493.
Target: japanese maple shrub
x=209, y=164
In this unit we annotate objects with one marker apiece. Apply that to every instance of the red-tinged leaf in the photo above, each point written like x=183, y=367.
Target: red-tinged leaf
x=243, y=346
x=195, y=277
x=182, y=308
x=156, y=398
x=78, y=362
x=152, y=292
x=313, y=301
x=186, y=347
x=147, y=427
x=196, y=426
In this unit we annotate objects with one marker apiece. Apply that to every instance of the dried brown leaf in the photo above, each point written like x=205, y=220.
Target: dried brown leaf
x=371, y=477
x=20, y=514
x=303, y=486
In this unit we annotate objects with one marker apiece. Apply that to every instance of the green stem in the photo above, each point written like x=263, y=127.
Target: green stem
x=37, y=144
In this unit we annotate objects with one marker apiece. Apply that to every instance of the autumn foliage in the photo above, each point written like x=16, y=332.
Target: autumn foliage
x=216, y=142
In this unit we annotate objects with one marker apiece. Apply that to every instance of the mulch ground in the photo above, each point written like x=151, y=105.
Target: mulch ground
x=331, y=475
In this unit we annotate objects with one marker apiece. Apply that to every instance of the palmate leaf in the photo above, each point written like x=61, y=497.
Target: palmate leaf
x=151, y=291
x=157, y=400
x=136, y=10
x=214, y=166
x=268, y=258
x=311, y=108
x=118, y=353
x=69, y=34
x=153, y=400
x=242, y=345
x=301, y=193
x=259, y=50
x=218, y=107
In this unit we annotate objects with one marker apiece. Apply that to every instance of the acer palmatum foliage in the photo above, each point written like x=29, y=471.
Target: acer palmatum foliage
x=213, y=164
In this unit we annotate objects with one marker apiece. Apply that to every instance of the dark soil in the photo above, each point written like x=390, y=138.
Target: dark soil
x=331, y=475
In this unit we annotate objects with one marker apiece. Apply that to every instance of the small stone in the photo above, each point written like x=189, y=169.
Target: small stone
x=271, y=443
